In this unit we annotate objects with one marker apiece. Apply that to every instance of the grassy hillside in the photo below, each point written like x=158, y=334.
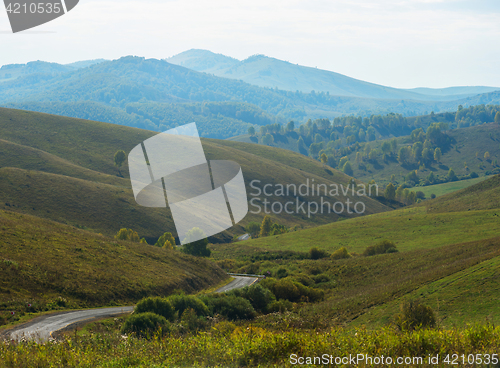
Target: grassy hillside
x=458, y=299
x=67, y=174
x=411, y=228
x=41, y=260
x=450, y=187
x=484, y=195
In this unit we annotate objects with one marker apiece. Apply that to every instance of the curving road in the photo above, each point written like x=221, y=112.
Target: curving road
x=42, y=328
x=237, y=283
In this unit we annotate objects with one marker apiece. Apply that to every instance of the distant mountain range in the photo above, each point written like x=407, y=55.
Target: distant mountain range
x=268, y=72
x=157, y=95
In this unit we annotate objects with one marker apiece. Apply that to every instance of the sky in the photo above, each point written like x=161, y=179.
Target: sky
x=397, y=43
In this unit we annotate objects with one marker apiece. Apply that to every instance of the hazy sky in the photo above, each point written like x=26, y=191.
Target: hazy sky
x=406, y=43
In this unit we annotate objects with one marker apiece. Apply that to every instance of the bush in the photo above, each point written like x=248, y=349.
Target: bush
x=304, y=279
x=474, y=175
x=292, y=290
x=315, y=253
x=341, y=253
x=385, y=246
x=433, y=196
x=145, y=324
x=191, y=321
x=415, y=315
x=321, y=278
x=280, y=306
x=182, y=302
x=157, y=305
x=260, y=298
x=230, y=306
x=281, y=273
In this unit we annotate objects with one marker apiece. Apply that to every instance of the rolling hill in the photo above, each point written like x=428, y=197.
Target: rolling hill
x=46, y=265
x=269, y=72
x=62, y=169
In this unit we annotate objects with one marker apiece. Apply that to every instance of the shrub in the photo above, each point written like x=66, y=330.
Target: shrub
x=260, y=298
x=157, y=305
x=341, y=253
x=191, y=321
x=315, y=253
x=281, y=273
x=280, y=306
x=304, y=279
x=385, y=246
x=420, y=195
x=145, y=324
x=474, y=175
x=433, y=196
x=321, y=278
x=415, y=315
x=182, y=302
x=230, y=306
x=293, y=291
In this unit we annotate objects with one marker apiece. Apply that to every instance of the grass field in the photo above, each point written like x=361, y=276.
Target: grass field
x=445, y=188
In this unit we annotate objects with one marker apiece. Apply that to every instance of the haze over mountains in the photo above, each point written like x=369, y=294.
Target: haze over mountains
x=158, y=95
x=269, y=72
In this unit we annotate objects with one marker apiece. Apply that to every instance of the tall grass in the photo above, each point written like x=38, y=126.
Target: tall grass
x=229, y=346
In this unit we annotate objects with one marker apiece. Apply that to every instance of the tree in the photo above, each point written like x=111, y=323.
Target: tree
x=267, y=139
x=165, y=237
x=399, y=193
x=451, y=175
x=390, y=192
x=347, y=169
x=487, y=156
x=342, y=161
x=437, y=155
x=394, y=145
x=251, y=131
x=253, y=228
x=301, y=146
x=196, y=247
x=404, y=155
x=386, y=147
x=324, y=158
x=127, y=234
x=265, y=229
x=119, y=159
x=427, y=154
x=290, y=126
x=314, y=149
x=497, y=117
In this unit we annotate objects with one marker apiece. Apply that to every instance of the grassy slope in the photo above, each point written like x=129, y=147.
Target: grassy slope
x=84, y=150
x=484, y=195
x=453, y=186
x=410, y=228
x=469, y=295
x=469, y=214
x=88, y=269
